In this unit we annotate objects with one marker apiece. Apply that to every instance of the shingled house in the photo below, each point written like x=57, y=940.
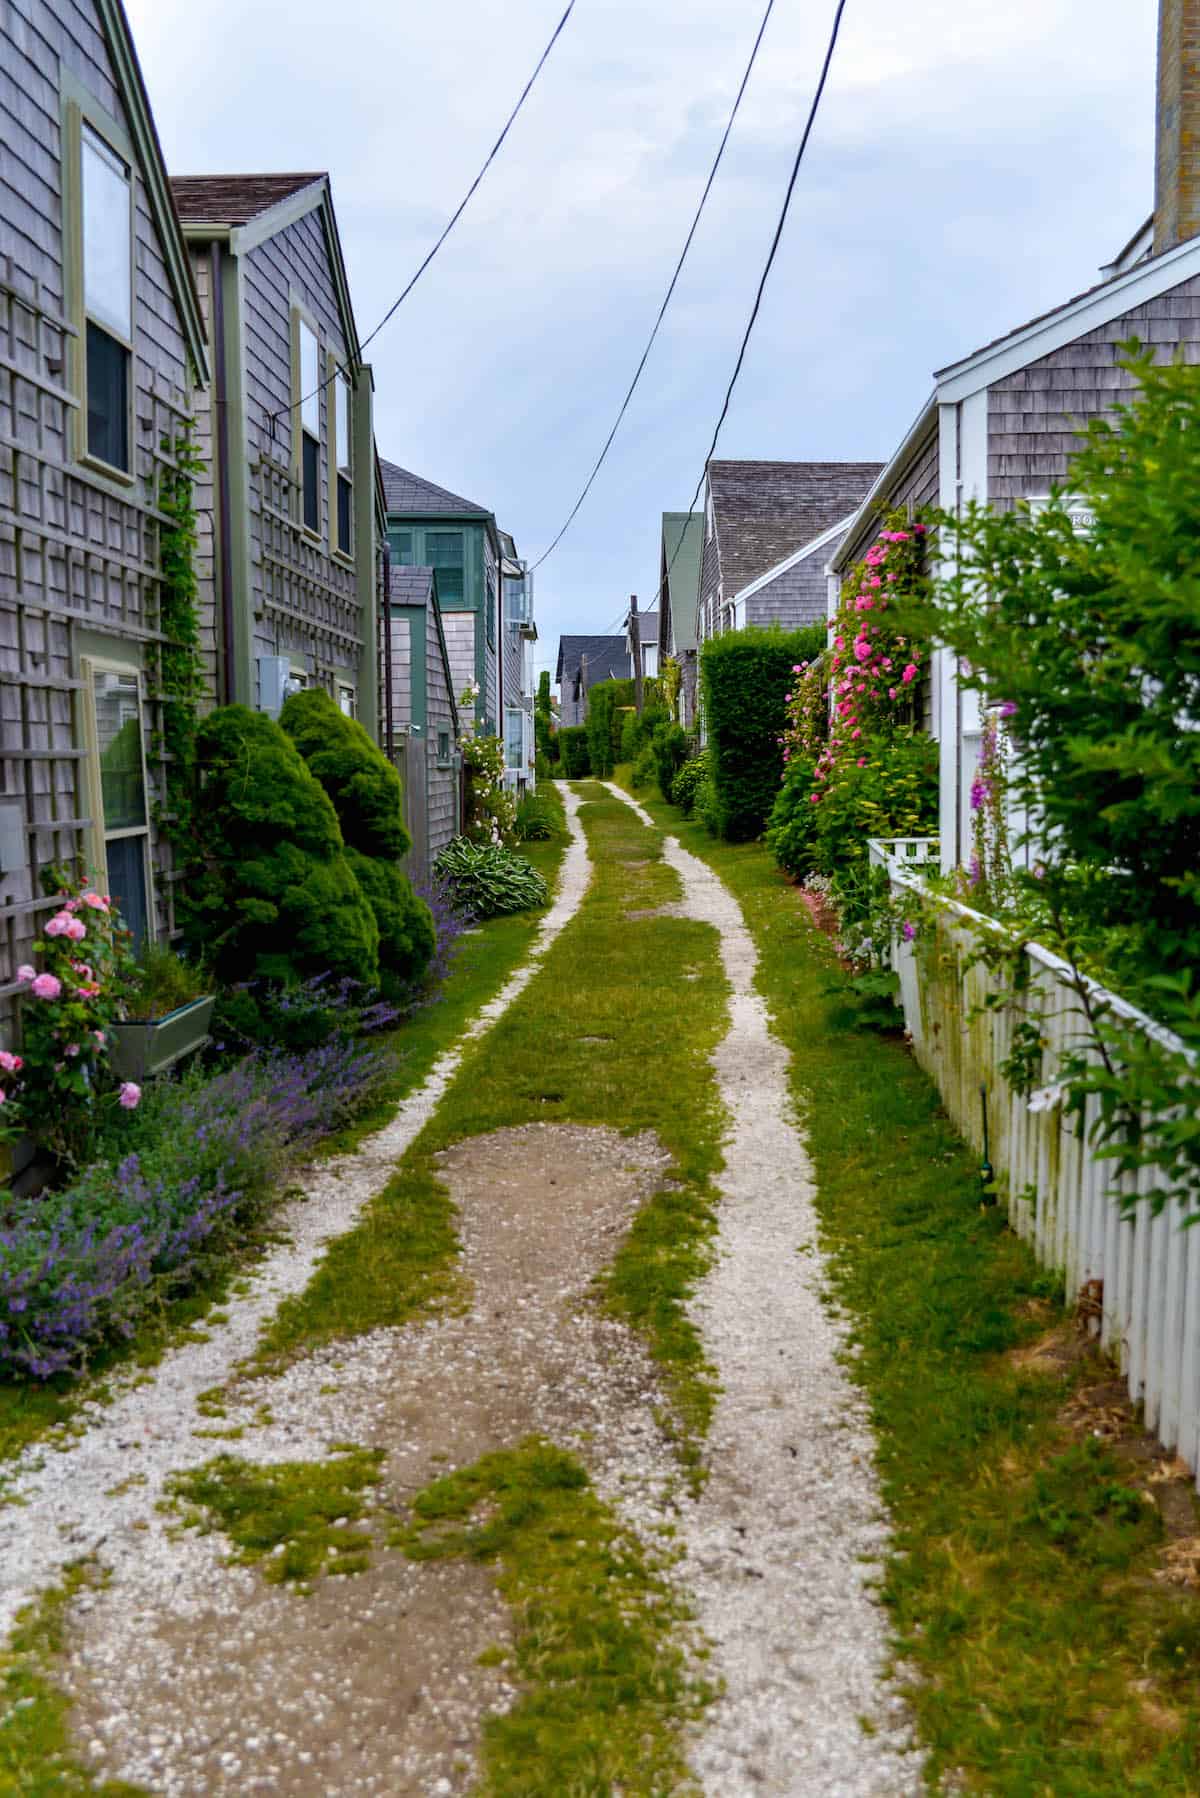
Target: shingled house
x=680, y=549
x=430, y=527
x=518, y=634
x=582, y=662
x=769, y=530
x=421, y=706
x=101, y=350
x=289, y=529
x=1002, y=424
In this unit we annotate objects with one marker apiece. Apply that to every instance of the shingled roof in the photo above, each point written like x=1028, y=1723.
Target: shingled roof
x=766, y=510
x=411, y=586
x=233, y=199
x=608, y=658
x=411, y=494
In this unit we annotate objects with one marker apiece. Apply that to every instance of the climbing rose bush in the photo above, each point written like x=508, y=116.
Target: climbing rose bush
x=57, y=1089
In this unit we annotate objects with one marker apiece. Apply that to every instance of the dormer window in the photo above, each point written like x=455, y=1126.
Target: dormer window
x=106, y=189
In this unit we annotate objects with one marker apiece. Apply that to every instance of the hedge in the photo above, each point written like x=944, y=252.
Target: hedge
x=573, y=757
x=745, y=677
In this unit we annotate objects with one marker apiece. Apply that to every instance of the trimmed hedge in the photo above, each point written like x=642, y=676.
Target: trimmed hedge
x=369, y=800
x=745, y=678
x=268, y=891
x=669, y=747
x=573, y=756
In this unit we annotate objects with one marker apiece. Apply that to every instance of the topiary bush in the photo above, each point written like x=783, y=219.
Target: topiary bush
x=489, y=880
x=688, y=781
x=669, y=748
x=366, y=794
x=747, y=678
x=574, y=759
x=268, y=891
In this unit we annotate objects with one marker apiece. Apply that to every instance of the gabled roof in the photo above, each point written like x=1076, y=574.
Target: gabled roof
x=411, y=495
x=828, y=540
x=411, y=586
x=608, y=658
x=128, y=74
x=682, y=548
x=233, y=199
x=763, y=511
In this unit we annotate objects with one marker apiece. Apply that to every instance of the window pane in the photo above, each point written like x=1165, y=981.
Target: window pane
x=443, y=746
x=106, y=236
x=444, y=549
x=310, y=381
x=344, y=493
x=119, y=732
x=345, y=449
x=514, y=739
x=311, y=459
x=450, y=588
x=401, y=544
x=127, y=884
x=107, y=399
x=346, y=702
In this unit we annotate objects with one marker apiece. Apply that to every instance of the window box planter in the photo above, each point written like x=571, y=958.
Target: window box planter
x=144, y=1046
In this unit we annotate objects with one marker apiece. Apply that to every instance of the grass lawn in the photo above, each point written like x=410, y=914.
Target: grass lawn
x=1049, y=1655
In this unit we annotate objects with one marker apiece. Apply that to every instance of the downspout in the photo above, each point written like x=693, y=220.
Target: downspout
x=228, y=661
x=389, y=733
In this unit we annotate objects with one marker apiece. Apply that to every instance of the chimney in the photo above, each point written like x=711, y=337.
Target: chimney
x=1177, y=167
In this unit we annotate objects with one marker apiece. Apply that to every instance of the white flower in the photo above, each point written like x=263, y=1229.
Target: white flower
x=1047, y=1097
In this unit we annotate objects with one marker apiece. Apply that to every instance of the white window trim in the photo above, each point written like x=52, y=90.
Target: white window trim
x=97, y=836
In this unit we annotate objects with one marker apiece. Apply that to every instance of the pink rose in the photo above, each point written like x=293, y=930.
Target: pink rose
x=76, y=929
x=891, y=692
x=25, y=972
x=129, y=1096
x=910, y=673
x=856, y=733
x=100, y=1037
x=71, y=1050
x=46, y=986
x=12, y=1064
x=58, y=924
x=95, y=901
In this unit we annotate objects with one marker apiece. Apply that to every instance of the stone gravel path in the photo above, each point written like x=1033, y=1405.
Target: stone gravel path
x=191, y=1676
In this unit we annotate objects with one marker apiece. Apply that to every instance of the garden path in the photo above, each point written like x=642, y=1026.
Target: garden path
x=192, y=1676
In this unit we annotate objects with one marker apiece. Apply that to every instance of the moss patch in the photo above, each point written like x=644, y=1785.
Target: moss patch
x=607, y=1683
x=37, y=1758
x=294, y=1518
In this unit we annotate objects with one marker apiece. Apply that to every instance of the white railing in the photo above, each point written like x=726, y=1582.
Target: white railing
x=1136, y=1273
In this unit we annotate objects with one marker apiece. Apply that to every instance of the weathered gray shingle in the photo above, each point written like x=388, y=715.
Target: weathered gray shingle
x=608, y=658
x=765, y=511
x=233, y=199
x=409, y=494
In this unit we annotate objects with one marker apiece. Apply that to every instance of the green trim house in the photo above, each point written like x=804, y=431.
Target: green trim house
x=102, y=347
x=423, y=713
x=430, y=527
x=290, y=529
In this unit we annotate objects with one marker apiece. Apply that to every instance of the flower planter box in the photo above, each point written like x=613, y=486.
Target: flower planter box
x=150, y=1046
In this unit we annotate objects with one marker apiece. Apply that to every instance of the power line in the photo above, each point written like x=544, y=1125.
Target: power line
x=454, y=218
x=767, y=266
x=662, y=311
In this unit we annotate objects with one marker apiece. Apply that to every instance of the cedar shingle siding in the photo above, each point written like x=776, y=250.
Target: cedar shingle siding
x=79, y=554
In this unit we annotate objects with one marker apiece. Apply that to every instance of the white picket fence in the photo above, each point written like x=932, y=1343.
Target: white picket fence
x=1140, y=1273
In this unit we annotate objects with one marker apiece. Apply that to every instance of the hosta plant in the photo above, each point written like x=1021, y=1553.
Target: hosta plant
x=489, y=880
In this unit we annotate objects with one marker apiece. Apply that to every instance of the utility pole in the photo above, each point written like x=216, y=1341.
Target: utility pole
x=583, y=685
x=635, y=646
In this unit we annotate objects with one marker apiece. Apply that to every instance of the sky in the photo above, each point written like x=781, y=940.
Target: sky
x=972, y=165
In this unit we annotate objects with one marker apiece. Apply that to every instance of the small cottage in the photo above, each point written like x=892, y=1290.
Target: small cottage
x=289, y=561
x=421, y=704
x=102, y=350
x=582, y=663
x=518, y=634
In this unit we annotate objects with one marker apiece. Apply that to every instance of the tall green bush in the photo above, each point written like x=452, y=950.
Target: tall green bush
x=574, y=759
x=746, y=677
x=545, y=741
x=603, y=721
x=269, y=892
x=366, y=794
x=669, y=747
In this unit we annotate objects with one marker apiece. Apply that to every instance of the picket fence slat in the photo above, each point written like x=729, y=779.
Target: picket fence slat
x=1095, y=1228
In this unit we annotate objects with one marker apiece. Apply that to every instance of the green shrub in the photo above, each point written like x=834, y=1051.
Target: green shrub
x=366, y=794
x=268, y=892
x=574, y=759
x=708, y=804
x=792, y=829
x=669, y=748
x=642, y=772
x=545, y=742
x=603, y=721
x=631, y=737
x=536, y=819
x=746, y=677
x=489, y=880
x=490, y=813
x=688, y=781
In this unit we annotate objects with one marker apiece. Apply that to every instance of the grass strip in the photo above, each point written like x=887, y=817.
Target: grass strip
x=606, y=1683
x=616, y=1029
x=297, y=1519
x=1049, y=1656
x=37, y=1758
x=32, y=1411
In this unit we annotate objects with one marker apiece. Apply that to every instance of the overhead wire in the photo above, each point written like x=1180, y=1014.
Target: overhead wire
x=674, y=282
x=452, y=221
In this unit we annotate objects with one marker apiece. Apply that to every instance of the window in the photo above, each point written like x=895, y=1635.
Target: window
x=347, y=702
x=514, y=738
x=518, y=597
x=445, y=552
x=308, y=378
x=117, y=775
x=106, y=191
x=443, y=746
x=401, y=545
x=343, y=457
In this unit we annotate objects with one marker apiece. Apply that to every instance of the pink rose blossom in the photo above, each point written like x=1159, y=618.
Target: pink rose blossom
x=910, y=673
x=58, y=924
x=25, y=972
x=891, y=692
x=12, y=1064
x=95, y=901
x=46, y=986
x=129, y=1096
x=72, y=1049
x=856, y=733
